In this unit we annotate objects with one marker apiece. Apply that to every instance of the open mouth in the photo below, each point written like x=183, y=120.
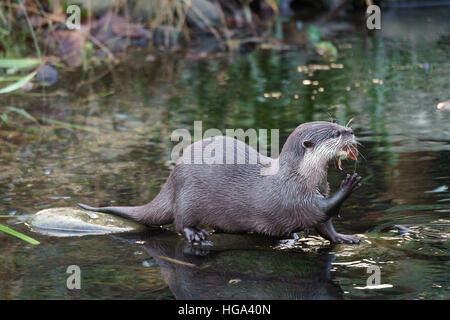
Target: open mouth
x=349, y=151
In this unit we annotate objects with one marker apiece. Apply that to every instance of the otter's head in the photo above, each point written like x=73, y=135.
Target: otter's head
x=312, y=145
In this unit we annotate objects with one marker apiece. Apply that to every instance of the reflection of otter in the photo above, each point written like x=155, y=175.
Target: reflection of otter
x=238, y=198
x=240, y=267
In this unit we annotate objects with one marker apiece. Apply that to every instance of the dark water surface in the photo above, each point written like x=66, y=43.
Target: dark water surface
x=389, y=83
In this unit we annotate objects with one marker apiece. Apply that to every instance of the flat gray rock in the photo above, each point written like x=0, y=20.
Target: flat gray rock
x=69, y=222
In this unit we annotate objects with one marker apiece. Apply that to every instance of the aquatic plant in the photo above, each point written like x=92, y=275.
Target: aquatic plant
x=13, y=66
x=17, y=234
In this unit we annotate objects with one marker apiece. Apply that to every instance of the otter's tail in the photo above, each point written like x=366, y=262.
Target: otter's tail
x=156, y=212
x=131, y=213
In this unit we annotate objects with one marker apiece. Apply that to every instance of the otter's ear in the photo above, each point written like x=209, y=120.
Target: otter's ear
x=308, y=144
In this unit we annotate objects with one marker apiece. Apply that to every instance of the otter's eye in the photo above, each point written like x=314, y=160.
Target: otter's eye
x=336, y=134
x=308, y=144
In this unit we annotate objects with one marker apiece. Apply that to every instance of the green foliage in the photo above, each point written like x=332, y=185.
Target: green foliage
x=18, y=84
x=324, y=48
x=20, y=111
x=88, y=53
x=12, y=66
x=26, y=63
x=17, y=234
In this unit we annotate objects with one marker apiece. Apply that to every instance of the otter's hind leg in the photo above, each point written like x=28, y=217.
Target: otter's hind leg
x=186, y=222
x=327, y=231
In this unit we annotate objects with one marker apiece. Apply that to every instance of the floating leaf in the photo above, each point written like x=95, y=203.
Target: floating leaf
x=18, y=84
x=18, y=234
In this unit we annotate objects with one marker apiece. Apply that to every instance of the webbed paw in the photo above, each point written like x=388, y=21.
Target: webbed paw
x=351, y=182
x=344, y=238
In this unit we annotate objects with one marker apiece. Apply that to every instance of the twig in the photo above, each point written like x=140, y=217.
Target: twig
x=177, y=261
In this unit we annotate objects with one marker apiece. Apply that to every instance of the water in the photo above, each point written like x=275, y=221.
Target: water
x=389, y=83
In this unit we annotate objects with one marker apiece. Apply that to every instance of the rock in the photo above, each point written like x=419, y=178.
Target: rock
x=203, y=14
x=116, y=32
x=121, y=27
x=69, y=222
x=47, y=74
x=69, y=45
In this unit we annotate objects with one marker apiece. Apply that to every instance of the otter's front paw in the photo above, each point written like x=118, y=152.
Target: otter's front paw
x=344, y=238
x=351, y=182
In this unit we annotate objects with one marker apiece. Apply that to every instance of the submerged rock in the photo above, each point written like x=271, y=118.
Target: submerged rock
x=69, y=222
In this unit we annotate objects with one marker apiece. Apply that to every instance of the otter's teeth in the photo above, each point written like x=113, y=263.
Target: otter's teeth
x=349, y=152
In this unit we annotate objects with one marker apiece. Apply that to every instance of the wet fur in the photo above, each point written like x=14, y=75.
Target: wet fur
x=236, y=197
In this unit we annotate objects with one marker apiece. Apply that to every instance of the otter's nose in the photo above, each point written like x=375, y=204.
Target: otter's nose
x=349, y=131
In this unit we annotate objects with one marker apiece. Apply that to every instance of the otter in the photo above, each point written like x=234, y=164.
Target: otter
x=292, y=195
